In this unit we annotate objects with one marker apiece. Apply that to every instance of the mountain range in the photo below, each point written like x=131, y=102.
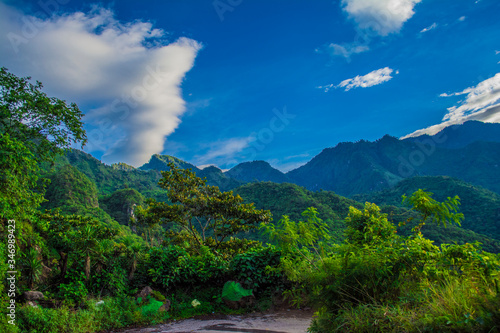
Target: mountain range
x=379, y=172
x=470, y=152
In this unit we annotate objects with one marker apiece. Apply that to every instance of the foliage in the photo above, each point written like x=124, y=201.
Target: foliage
x=43, y=124
x=18, y=180
x=113, y=313
x=479, y=206
x=233, y=291
x=208, y=215
x=368, y=227
x=303, y=244
x=439, y=212
x=69, y=189
x=31, y=267
x=379, y=281
x=257, y=269
x=74, y=291
x=120, y=204
x=173, y=266
x=292, y=200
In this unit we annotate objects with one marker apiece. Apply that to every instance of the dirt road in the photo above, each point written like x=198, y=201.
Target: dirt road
x=292, y=321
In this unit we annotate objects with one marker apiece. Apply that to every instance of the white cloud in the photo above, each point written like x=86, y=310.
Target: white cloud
x=123, y=74
x=347, y=50
x=380, y=16
x=482, y=103
x=204, y=166
x=462, y=18
x=432, y=26
x=371, y=79
x=224, y=151
x=327, y=87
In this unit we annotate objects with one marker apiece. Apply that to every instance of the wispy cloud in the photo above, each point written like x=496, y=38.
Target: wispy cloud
x=462, y=18
x=124, y=74
x=223, y=152
x=347, y=50
x=431, y=27
x=482, y=103
x=371, y=79
x=381, y=16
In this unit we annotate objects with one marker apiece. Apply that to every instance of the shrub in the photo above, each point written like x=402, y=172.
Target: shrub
x=233, y=291
x=251, y=268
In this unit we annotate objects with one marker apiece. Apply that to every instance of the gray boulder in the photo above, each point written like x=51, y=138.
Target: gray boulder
x=32, y=295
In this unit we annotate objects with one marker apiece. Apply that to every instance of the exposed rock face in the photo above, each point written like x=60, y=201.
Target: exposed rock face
x=145, y=292
x=166, y=306
x=32, y=295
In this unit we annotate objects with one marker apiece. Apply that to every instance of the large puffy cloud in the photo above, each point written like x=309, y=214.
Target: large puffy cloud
x=125, y=76
x=380, y=16
x=373, y=18
x=371, y=79
x=482, y=103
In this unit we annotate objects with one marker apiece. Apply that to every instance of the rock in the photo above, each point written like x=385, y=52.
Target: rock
x=166, y=306
x=145, y=292
x=33, y=295
x=32, y=304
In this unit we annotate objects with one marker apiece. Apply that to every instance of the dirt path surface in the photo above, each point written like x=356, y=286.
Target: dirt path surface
x=293, y=321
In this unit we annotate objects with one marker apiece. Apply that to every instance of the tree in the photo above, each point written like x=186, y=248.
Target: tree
x=439, y=212
x=73, y=234
x=44, y=124
x=207, y=215
x=368, y=226
x=33, y=128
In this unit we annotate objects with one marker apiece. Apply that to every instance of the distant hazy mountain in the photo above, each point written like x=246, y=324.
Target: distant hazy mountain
x=257, y=171
x=470, y=152
x=362, y=167
x=459, y=136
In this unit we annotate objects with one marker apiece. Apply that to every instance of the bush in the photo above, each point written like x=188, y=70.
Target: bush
x=74, y=291
x=172, y=266
x=251, y=268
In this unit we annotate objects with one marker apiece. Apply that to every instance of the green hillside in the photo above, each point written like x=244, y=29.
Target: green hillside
x=480, y=206
x=292, y=200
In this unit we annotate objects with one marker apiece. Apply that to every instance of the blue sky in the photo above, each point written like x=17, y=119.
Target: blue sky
x=227, y=81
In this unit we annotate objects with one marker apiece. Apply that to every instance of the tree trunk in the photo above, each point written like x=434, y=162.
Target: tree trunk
x=64, y=264
x=132, y=269
x=87, y=267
